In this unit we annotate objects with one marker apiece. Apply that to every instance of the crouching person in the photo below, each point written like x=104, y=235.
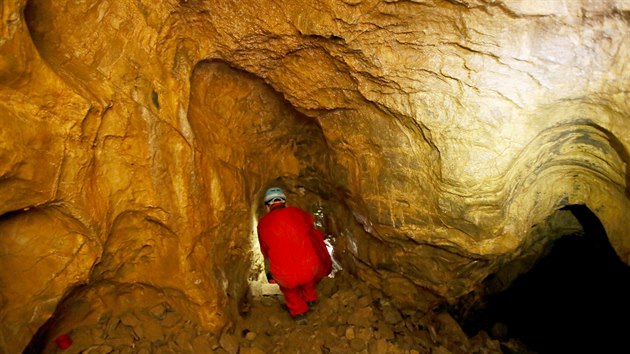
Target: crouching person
x=295, y=249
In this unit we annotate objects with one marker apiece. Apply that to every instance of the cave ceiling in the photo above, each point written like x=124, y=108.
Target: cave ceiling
x=138, y=136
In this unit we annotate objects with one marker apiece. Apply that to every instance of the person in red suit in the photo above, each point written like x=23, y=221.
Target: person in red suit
x=295, y=249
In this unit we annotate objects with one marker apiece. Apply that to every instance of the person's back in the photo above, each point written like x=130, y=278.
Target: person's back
x=291, y=252
x=298, y=258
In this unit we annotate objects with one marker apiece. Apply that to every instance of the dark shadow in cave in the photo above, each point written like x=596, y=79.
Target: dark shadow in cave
x=575, y=299
x=38, y=343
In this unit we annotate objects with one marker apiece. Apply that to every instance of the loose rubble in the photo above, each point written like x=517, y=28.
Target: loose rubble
x=350, y=317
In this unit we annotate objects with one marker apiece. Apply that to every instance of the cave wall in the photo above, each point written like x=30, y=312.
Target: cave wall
x=137, y=138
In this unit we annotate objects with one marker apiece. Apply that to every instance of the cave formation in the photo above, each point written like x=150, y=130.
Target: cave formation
x=447, y=145
x=571, y=299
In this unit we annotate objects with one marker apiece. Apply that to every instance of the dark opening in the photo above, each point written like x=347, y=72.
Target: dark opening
x=575, y=299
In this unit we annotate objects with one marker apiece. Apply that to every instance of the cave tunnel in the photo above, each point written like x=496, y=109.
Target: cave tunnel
x=254, y=139
x=574, y=298
x=137, y=139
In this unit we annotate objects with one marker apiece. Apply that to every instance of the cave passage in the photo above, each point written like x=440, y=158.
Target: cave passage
x=575, y=299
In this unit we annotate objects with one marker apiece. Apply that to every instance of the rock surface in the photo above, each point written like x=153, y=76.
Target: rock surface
x=434, y=136
x=350, y=317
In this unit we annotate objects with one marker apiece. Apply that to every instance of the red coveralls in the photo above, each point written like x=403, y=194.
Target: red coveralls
x=298, y=258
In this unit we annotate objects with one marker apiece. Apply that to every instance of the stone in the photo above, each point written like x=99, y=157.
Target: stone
x=252, y=350
x=349, y=333
x=326, y=287
x=159, y=311
x=100, y=349
x=171, y=319
x=250, y=336
x=363, y=301
x=129, y=319
x=229, y=343
x=365, y=333
x=153, y=330
x=345, y=298
x=200, y=344
x=362, y=317
x=391, y=315
x=136, y=138
x=440, y=350
x=384, y=331
x=378, y=346
x=357, y=344
x=183, y=339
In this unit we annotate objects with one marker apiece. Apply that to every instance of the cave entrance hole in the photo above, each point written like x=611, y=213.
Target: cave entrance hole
x=575, y=298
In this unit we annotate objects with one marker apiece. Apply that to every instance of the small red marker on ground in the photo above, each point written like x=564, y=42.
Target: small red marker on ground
x=63, y=341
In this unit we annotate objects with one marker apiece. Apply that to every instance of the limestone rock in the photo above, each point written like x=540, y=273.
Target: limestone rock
x=438, y=138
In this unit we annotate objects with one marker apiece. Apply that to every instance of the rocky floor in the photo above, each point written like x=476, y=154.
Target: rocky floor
x=349, y=318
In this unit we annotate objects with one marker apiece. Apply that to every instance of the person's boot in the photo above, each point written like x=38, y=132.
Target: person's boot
x=312, y=304
x=300, y=319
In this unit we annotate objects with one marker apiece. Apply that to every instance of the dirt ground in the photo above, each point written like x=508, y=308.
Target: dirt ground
x=349, y=318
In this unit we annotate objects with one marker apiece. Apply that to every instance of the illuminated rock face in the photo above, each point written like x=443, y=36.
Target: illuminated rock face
x=138, y=137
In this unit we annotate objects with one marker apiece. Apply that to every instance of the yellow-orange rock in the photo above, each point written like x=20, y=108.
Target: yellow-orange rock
x=137, y=138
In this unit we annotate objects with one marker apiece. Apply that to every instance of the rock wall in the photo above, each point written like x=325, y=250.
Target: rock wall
x=137, y=138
